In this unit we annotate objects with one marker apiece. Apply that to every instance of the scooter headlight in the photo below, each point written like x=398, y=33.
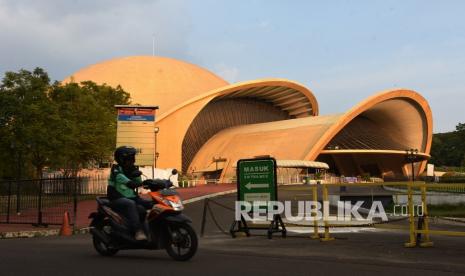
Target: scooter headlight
x=177, y=206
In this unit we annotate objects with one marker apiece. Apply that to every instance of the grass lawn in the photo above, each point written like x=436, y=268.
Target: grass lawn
x=447, y=210
x=443, y=210
x=447, y=187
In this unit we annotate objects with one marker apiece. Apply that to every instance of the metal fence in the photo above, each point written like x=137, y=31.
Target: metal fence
x=92, y=185
x=44, y=201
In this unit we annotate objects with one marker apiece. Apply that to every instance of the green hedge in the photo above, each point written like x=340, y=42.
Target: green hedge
x=452, y=179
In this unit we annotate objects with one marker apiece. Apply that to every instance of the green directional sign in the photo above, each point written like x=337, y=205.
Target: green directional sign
x=256, y=183
x=256, y=180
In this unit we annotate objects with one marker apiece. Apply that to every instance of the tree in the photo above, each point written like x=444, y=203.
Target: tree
x=64, y=126
x=27, y=119
x=460, y=129
x=89, y=123
x=448, y=149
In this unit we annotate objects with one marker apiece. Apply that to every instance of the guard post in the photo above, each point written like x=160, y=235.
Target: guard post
x=257, y=184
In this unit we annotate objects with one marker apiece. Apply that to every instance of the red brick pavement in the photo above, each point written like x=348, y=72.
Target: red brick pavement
x=89, y=206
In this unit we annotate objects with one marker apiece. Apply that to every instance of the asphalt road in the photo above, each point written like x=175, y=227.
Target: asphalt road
x=360, y=252
x=75, y=256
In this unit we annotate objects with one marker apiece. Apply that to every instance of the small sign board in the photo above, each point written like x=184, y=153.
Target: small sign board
x=256, y=180
x=430, y=170
x=136, y=114
x=135, y=127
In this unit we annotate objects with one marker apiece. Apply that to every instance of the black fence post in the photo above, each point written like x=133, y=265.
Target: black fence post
x=75, y=201
x=39, y=207
x=204, y=217
x=9, y=203
x=63, y=186
x=18, y=197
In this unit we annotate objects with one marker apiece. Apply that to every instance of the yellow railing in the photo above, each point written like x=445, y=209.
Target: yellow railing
x=411, y=189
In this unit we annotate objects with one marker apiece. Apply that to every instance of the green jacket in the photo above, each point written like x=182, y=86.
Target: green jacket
x=119, y=180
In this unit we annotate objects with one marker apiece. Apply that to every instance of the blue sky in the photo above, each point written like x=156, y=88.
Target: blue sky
x=343, y=51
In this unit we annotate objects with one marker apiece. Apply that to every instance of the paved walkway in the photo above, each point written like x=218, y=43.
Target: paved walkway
x=89, y=206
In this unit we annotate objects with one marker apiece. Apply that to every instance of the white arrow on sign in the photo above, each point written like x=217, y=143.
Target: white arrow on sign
x=251, y=186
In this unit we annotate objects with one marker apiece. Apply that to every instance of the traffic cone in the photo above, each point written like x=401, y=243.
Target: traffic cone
x=65, y=228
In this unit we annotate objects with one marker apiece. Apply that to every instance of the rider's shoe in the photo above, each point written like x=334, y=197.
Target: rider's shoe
x=140, y=236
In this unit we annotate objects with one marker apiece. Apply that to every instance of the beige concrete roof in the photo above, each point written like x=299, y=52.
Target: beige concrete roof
x=289, y=139
x=285, y=94
x=213, y=167
x=175, y=123
x=152, y=80
x=421, y=155
x=183, y=90
x=404, y=114
x=301, y=164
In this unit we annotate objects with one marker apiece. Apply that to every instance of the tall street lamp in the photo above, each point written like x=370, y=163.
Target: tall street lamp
x=155, y=153
x=412, y=157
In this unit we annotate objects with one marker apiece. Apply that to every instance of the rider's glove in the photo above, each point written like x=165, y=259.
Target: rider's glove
x=147, y=182
x=131, y=184
x=135, y=173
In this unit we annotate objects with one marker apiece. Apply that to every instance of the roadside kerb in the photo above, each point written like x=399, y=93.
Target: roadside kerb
x=85, y=230
x=195, y=199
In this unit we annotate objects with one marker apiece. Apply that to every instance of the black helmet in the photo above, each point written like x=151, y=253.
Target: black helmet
x=125, y=153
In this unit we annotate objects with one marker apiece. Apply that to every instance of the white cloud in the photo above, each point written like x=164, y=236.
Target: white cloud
x=264, y=24
x=431, y=78
x=230, y=74
x=63, y=36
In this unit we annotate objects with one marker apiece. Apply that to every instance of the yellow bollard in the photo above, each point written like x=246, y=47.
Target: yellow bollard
x=411, y=218
x=427, y=242
x=315, y=235
x=326, y=237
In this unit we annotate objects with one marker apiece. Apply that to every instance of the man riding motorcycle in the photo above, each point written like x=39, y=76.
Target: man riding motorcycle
x=125, y=177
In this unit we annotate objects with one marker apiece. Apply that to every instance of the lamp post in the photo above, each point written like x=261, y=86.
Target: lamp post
x=412, y=156
x=155, y=153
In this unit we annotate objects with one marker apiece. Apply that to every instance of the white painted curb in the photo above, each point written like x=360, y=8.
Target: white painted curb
x=195, y=199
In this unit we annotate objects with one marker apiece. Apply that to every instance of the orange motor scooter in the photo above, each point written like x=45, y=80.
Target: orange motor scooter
x=165, y=225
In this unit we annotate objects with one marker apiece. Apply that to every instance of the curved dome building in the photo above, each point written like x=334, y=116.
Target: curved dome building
x=202, y=118
x=165, y=81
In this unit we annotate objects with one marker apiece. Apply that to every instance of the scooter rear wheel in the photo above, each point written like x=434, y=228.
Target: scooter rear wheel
x=182, y=242
x=102, y=248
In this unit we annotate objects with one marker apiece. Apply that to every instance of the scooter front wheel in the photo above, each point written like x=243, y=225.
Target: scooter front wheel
x=182, y=241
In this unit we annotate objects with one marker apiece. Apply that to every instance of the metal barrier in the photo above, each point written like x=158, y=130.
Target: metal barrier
x=418, y=226
x=415, y=232
x=425, y=230
x=42, y=201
